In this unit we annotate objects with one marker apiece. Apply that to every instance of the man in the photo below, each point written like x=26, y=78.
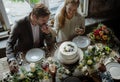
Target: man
x=29, y=33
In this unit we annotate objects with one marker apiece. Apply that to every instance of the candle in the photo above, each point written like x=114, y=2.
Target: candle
x=32, y=67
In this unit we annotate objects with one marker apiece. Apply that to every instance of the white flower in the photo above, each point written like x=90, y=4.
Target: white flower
x=84, y=69
x=103, y=53
x=80, y=66
x=67, y=71
x=90, y=48
x=49, y=58
x=97, y=59
x=30, y=74
x=99, y=45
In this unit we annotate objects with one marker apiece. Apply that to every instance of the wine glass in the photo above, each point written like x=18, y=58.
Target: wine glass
x=45, y=66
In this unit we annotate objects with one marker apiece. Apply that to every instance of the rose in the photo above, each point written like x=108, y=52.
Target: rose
x=22, y=76
x=101, y=33
x=80, y=66
x=96, y=32
x=104, y=27
x=46, y=77
x=90, y=48
x=97, y=59
x=104, y=37
x=89, y=62
x=97, y=37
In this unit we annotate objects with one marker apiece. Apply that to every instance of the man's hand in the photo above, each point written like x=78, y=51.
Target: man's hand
x=13, y=66
x=45, y=29
x=101, y=67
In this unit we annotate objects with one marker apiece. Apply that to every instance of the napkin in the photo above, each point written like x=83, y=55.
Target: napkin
x=106, y=76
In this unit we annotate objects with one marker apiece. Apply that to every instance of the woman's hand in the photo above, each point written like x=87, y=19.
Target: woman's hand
x=79, y=31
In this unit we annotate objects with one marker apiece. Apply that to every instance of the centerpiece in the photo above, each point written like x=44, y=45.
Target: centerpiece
x=102, y=34
x=94, y=55
x=37, y=73
x=41, y=71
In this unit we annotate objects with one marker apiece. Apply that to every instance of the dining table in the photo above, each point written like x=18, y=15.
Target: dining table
x=80, y=71
x=64, y=71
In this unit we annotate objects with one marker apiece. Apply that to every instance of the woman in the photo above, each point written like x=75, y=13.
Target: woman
x=68, y=22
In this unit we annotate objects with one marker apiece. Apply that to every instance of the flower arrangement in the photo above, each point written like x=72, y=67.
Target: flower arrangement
x=39, y=72
x=101, y=34
x=93, y=55
x=36, y=74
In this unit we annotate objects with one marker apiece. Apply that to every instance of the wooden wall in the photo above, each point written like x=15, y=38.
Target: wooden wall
x=103, y=8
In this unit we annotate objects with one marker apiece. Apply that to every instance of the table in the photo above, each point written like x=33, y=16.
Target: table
x=95, y=77
x=74, y=72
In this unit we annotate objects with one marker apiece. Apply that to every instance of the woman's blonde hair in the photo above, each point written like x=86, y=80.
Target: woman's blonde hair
x=62, y=15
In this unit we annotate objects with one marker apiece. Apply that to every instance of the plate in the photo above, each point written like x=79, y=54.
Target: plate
x=114, y=69
x=72, y=79
x=58, y=56
x=81, y=41
x=34, y=55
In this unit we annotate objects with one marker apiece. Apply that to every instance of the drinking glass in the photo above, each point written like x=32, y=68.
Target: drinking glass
x=52, y=68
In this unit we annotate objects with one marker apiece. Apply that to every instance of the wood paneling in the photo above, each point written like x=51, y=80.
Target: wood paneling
x=103, y=8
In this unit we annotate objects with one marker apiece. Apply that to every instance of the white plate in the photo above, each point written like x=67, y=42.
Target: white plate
x=58, y=56
x=114, y=69
x=81, y=41
x=34, y=55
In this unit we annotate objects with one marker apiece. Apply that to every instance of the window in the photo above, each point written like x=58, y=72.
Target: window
x=83, y=8
x=54, y=4
x=21, y=8
x=4, y=23
x=10, y=12
x=16, y=10
x=13, y=10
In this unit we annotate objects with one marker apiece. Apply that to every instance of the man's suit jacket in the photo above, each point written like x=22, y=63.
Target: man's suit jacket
x=21, y=38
